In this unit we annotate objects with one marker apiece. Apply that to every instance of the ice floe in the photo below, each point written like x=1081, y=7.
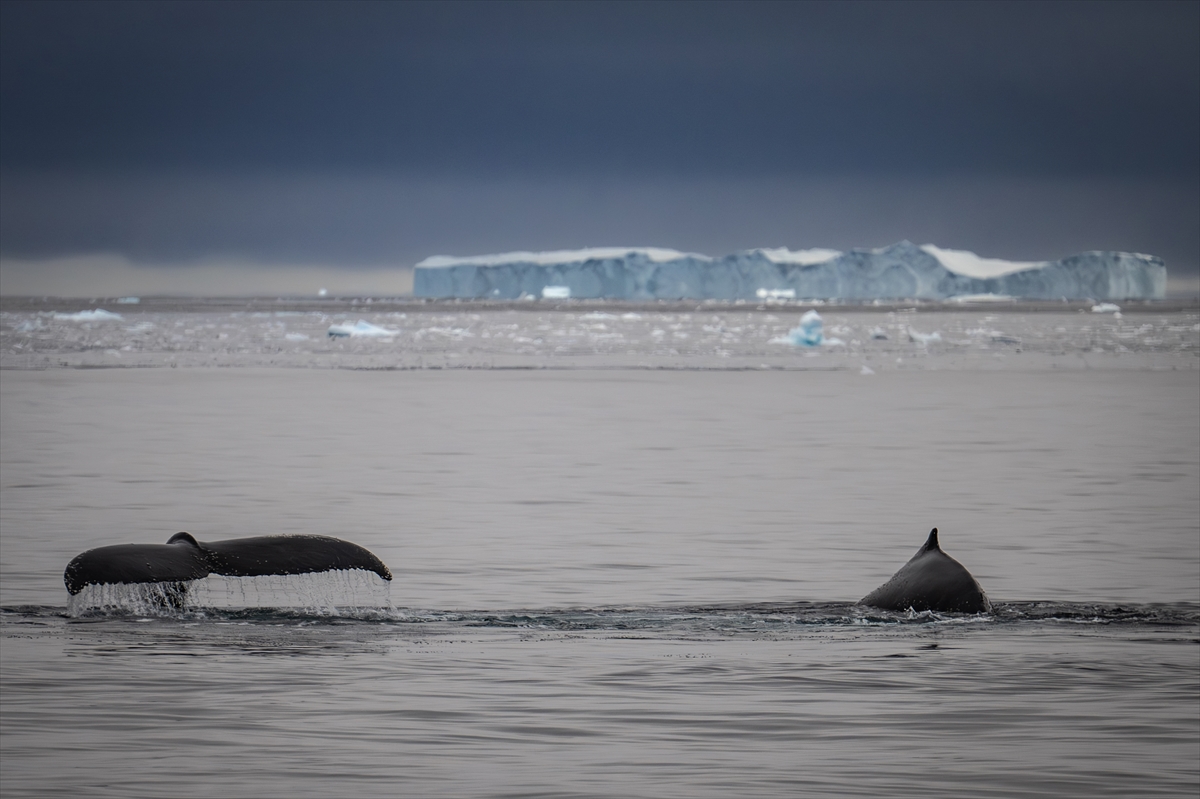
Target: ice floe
x=98, y=315
x=917, y=337
x=360, y=329
x=974, y=298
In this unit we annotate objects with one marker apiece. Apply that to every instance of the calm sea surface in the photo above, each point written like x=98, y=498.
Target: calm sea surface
x=612, y=582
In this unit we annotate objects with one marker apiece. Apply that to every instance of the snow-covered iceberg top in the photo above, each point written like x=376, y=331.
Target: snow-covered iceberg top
x=782, y=255
x=555, y=257
x=962, y=262
x=965, y=262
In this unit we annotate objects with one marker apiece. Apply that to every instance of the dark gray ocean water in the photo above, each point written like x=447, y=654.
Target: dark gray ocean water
x=621, y=578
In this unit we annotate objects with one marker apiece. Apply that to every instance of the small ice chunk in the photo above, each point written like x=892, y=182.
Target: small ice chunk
x=361, y=328
x=810, y=333
x=556, y=292
x=29, y=325
x=322, y=292
x=1106, y=307
x=98, y=315
x=128, y=300
x=879, y=334
x=918, y=337
x=296, y=337
x=866, y=370
x=776, y=294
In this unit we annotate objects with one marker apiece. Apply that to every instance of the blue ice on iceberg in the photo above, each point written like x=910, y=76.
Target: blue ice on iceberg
x=901, y=271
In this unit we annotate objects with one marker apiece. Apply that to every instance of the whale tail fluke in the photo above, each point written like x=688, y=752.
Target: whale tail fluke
x=289, y=554
x=183, y=559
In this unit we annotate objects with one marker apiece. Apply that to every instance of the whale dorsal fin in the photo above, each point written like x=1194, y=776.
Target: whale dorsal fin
x=183, y=537
x=931, y=543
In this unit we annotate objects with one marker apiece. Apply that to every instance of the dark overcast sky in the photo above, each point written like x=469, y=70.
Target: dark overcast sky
x=381, y=132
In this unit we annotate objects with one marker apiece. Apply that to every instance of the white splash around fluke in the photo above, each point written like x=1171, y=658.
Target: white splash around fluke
x=350, y=592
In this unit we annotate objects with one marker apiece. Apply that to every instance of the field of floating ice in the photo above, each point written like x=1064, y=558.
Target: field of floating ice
x=544, y=335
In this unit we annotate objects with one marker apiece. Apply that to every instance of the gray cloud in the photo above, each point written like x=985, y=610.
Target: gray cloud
x=610, y=88
x=370, y=135
x=389, y=220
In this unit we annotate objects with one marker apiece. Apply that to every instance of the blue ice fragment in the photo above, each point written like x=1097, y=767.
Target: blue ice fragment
x=809, y=333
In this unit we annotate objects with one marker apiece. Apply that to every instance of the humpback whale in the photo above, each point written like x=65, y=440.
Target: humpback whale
x=184, y=558
x=932, y=580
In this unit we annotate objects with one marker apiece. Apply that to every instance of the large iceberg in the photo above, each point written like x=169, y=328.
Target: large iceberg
x=901, y=271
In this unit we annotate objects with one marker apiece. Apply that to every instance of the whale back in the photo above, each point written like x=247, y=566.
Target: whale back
x=932, y=580
x=184, y=558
